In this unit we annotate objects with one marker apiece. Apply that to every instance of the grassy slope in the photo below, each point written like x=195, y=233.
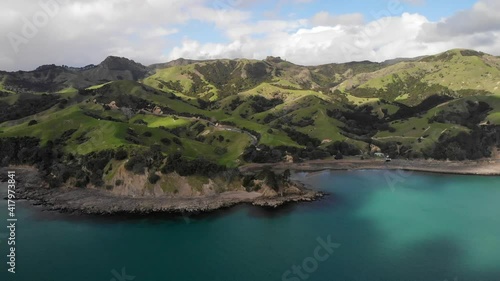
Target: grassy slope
x=157, y=121
x=458, y=72
x=171, y=74
x=182, y=75
x=277, y=138
x=103, y=134
x=68, y=92
x=2, y=87
x=10, y=99
x=160, y=98
x=409, y=131
x=451, y=69
x=95, y=87
x=269, y=91
x=493, y=101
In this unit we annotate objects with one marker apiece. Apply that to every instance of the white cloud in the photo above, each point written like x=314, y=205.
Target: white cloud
x=476, y=28
x=158, y=32
x=378, y=40
x=345, y=38
x=80, y=32
x=240, y=30
x=325, y=19
x=482, y=18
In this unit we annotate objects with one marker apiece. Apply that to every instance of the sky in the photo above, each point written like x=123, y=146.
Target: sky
x=306, y=32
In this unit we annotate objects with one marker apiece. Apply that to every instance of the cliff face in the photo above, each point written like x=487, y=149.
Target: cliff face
x=124, y=183
x=127, y=184
x=118, y=181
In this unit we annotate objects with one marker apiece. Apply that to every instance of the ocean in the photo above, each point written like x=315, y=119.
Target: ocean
x=373, y=225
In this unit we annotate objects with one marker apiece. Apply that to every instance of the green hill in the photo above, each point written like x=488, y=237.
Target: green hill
x=232, y=112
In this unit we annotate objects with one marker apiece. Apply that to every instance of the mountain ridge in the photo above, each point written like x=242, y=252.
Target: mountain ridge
x=187, y=61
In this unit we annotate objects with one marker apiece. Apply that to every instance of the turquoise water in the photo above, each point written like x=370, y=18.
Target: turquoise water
x=417, y=227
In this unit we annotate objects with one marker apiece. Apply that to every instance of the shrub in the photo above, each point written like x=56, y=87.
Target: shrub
x=32, y=122
x=153, y=178
x=248, y=182
x=343, y=148
x=140, y=122
x=220, y=150
x=261, y=104
x=185, y=167
x=136, y=164
x=166, y=141
x=121, y=154
x=301, y=138
x=177, y=141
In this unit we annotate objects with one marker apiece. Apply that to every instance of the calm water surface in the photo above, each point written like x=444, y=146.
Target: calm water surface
x=383, y=226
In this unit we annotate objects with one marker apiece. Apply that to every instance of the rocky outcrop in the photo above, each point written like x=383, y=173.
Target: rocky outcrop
x=276, y=201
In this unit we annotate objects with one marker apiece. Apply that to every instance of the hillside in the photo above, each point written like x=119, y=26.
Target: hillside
x=222, y=114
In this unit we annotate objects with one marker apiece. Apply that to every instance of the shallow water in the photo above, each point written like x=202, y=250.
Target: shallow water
x=383, y=226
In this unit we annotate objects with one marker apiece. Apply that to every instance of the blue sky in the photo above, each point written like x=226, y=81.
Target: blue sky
x=433, y=10
x=269, y=10
x=308, y=32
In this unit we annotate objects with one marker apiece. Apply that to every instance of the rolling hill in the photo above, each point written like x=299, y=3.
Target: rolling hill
x=231, y=112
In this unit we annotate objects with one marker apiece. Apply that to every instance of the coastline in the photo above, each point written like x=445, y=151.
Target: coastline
x=100, y=202
x=489, y=167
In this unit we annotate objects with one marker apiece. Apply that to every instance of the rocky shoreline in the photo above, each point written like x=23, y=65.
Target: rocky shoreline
x=99, y=202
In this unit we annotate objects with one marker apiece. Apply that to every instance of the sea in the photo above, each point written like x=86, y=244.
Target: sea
x=372, y=226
